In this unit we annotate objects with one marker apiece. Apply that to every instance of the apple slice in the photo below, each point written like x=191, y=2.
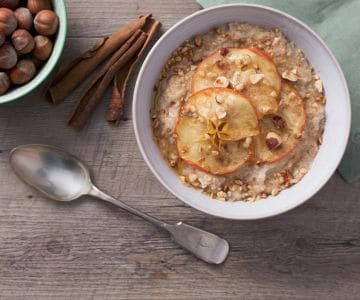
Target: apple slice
x=249, y=70
x=211, y=129
x=280, y=133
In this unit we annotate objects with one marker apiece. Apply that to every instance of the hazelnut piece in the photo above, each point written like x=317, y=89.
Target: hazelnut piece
x=43, y=47
x=23, y=72
x=36, y=5
x=4, y=83
x=22, y=41
x=279, y=122
x=24, y=18
x=8, y=22
x=10, y=4
x=255, y=78
x=223, y=51
x=221, y=81
x=273, y=140
x=46, y=22
x=8, y=56
x=198, y=41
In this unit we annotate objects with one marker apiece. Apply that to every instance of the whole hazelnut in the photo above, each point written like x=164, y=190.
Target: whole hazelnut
x=23, y=72
x=2, y=38
x=4, y=83
x=36, y=5
x=8, y=22
x=22, y=41
x=43, y=47
x=8, y=56
x=46, y=22
x=24, y=18
x=10, y=4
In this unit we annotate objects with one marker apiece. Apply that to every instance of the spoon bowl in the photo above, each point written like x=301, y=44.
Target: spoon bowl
x=60, y=177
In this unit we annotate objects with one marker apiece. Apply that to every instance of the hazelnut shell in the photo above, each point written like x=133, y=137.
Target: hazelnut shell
x=24, y=18
x=8, y=56
x=8, y=22
x=46, y=22
x=23, y=72
x=43, y=47
x=22, y=41
x=10, y=4
x=4, y=83
x=37, y=5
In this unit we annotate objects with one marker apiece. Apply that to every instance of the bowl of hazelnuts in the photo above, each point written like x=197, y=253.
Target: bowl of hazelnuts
x=32, y=37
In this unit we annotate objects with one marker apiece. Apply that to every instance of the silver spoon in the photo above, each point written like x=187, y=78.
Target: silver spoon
x=63, y=177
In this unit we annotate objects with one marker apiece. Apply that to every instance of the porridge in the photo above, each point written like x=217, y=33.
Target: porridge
x=239, y=112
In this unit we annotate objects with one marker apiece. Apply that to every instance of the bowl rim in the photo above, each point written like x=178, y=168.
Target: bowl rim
x=281, y=210
x=23, y=90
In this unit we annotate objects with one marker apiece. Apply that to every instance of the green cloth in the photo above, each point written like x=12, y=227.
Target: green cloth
x=337, y=22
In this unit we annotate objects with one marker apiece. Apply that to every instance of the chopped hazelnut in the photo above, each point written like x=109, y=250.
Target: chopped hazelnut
x=198, y=41
x=223, y=51
x=273, y=94
x=221, y=81
x=318, y=85
x=291, y=76
x=276, y=40
x=255, y=78
x=211, y=74
x=192, y=177
x=220, y=64
x=220, y=113
x=273, y=140
x=247, y=142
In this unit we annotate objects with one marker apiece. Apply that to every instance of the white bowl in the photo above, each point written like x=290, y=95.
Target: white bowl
x=338, y=111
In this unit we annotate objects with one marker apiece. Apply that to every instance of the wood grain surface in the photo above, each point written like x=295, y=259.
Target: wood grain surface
x=92, y=250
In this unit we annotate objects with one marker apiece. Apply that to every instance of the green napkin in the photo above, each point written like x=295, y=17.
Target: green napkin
x=337, y=21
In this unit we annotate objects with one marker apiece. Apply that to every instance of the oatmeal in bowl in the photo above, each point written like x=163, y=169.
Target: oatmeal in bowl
x=239, y=112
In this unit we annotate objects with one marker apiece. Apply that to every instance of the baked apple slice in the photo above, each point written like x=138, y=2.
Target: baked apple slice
x=249, y=70
x=211, y=129
x=280, y=133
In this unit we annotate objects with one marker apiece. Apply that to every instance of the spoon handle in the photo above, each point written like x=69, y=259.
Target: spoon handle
x=100, y=194
x=204, y=245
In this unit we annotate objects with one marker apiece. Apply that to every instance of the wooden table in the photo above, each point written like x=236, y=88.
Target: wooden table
x=92, y=250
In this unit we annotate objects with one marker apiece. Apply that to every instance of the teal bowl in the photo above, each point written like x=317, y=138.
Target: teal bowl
x=48, y=67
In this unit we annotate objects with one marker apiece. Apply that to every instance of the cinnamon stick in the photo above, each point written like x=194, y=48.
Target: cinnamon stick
x=121, y=80
x=71, y=76
x=92, y=96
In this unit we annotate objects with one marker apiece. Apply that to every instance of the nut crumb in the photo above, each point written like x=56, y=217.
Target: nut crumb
x=192, y=177
x=198, y=41
x=255, y=78
x=221, y=81
x=215, y=152
x=273, y=94
x=220, y=113
x=289, y=76
x=319, y=86
x=247, y=142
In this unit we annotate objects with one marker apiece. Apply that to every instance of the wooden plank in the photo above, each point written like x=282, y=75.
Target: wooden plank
x=92, y=250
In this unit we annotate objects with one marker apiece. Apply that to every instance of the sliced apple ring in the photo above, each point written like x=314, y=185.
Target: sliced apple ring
x=280, y=133
x=249, y=70
x=211, y=129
